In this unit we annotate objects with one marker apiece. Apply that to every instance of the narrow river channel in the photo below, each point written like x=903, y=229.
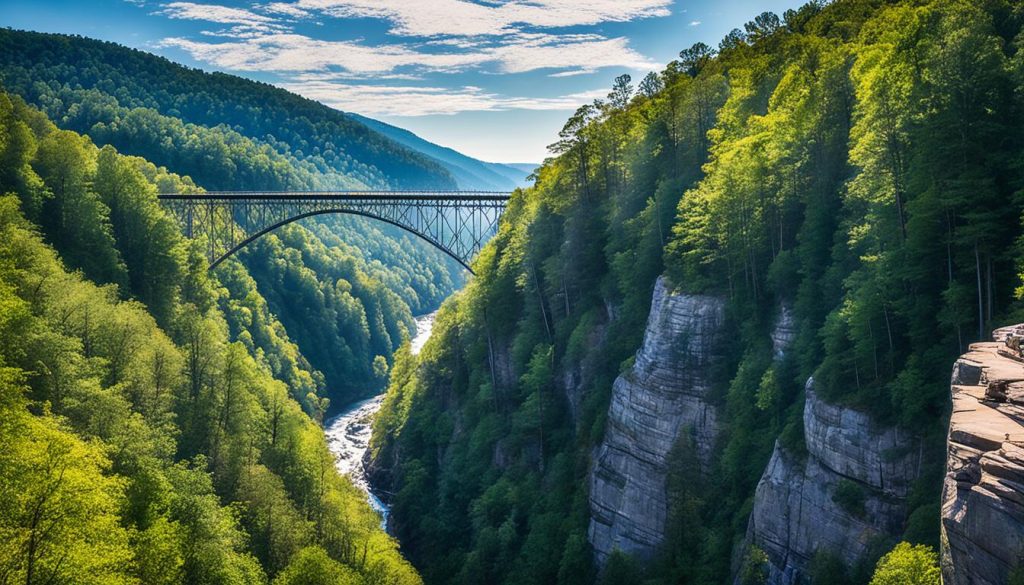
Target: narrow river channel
x=348, y=433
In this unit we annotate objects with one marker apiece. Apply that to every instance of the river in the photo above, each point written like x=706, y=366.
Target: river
x=348, y=433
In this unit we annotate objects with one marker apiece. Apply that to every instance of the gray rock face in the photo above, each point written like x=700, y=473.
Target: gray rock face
x=796, y=512
x=783, y=332
x=663, y=395
x=850, y=444
x=983, y=492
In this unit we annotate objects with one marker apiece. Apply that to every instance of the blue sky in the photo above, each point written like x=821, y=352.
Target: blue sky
x=494, y=79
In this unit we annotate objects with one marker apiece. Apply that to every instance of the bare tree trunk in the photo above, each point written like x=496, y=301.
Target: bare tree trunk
x=988, y=290
x=540, y=297
x=981, y=308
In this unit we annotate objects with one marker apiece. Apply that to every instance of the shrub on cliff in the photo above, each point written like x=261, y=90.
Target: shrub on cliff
x=908, y=565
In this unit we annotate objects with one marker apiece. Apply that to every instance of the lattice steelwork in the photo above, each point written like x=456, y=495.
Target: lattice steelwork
x=457, y=222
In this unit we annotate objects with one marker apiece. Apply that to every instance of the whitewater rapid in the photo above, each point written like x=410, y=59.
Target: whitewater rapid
x=348, y=433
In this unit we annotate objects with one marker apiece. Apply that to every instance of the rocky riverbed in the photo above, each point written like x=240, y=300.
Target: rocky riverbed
x=348, y=432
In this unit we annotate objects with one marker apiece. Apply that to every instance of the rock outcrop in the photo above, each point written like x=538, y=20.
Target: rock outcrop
x=983, y=492
x=663, y=395
x=783, y=331
x=850, y=489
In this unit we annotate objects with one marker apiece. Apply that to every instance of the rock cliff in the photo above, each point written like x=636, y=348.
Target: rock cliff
x=783, y=331
x=847, y=492
x=662, y=395
x=983, y=492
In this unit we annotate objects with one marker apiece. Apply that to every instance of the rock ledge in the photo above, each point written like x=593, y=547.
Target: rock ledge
x=983, y=492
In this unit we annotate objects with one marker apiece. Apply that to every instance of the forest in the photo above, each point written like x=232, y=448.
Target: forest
x=153, y=412
x=130, y=96
x=163, y=421
x=195, y=124
x=856, y=162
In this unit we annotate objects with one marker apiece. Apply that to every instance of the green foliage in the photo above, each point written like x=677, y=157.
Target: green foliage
x=908, y=565
x=559, y=298
x=828, y=569
x=851, y=162
x=313, y=566
x=621, y=569
x=226, y=133
x=923, y=525
x=158, y=445
x=130, y=96
x=850, y=496
x=754, y=570
x=1016, y=576
x=59, y=516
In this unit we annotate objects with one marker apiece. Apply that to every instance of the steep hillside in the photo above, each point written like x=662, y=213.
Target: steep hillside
x=832, y=200
x=469, y=173
x=149, y=409
x=291, y=125
x=363, y=290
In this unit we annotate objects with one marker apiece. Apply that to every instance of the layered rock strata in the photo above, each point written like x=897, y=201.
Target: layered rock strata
x=664, y=394
x=983, y=491
x=847, y=492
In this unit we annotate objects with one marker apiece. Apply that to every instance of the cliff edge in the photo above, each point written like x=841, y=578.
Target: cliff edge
x=983, y=491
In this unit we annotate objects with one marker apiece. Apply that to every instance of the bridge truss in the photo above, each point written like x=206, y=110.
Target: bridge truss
x=457, y=222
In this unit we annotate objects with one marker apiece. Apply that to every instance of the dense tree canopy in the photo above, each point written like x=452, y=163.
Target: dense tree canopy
x=358, y=277
x=855, y=162
x=149, y=417
x=128, y=94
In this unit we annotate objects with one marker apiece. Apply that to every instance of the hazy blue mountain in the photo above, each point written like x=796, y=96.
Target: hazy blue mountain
x=469, y=173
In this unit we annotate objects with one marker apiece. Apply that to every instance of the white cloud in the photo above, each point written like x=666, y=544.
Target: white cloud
x=570, y=73
x=587, y=53
x=296, y=53
x=695, y=23
x=440, y=37
x=401, y=100
x=287, y=52
x=285, y=9
x=427, y=18
x=243, y=19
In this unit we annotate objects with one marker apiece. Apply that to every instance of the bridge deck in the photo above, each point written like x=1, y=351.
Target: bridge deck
x=339, y=196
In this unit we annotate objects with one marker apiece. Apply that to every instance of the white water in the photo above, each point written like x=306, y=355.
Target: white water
x=348, y=433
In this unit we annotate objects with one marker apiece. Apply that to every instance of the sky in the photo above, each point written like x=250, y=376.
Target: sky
x=494, y=79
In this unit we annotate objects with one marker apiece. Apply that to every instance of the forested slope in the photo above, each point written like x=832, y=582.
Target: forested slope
x=854, y=165
x=77, y=69
x=345, y=303
x=150, y=418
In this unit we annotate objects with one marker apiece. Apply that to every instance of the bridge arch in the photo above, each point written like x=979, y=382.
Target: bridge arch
x=300, y=217
x=456, y=222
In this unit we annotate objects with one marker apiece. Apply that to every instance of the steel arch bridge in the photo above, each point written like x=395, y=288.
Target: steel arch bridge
x=457, y=222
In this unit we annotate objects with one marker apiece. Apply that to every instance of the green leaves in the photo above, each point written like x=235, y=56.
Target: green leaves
x=58, y=505
x=155, y=450
x=908, y=565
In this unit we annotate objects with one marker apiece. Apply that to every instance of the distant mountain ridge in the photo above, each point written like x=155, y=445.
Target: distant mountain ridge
x=469, y=173
x=73, y=67
x=349, y=150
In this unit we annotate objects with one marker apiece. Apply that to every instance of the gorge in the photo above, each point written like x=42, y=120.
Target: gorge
x=709, y=341
x=348, y=432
